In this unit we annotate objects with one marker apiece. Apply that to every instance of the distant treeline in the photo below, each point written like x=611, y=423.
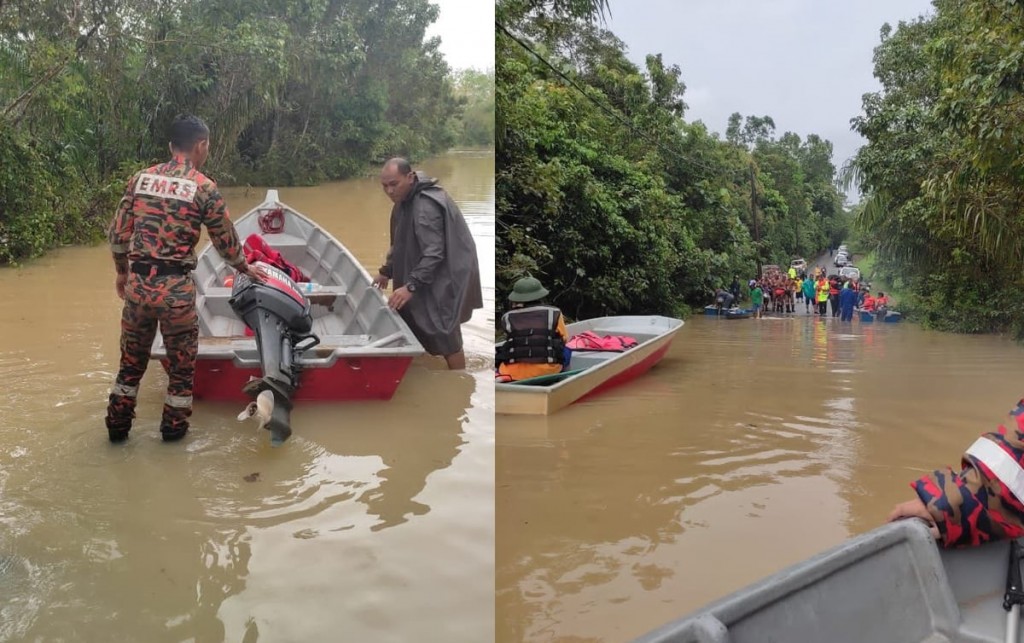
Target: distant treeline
x=476, y=126
x=615, y=201
x=294, y=91
x=943, y=170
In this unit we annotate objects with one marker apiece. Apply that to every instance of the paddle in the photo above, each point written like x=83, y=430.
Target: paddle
x=544, y=380
x=1014, y=596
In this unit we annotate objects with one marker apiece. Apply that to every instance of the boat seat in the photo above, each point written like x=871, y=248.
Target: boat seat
x=325, y=296
x=283, y=240
x=329, y=342
x=361, y=341
x=586, y=359
x=217, y=293
x=225, y=345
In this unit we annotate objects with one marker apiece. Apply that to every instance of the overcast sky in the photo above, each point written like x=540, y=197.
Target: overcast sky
x=805, y=63
x=466, y=28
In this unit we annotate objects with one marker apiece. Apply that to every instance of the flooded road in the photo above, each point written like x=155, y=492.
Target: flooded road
x=753, y=445
x=373, y=523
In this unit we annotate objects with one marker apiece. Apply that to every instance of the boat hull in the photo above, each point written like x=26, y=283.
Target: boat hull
x=348, y=379
x=516, y=399
x=892, y=584
x=891, y=317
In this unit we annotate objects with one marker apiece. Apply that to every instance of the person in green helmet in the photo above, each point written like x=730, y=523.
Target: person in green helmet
x=535, y=335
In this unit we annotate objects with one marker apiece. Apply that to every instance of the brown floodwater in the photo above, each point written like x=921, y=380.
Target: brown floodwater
x=374, y=522
x=753, y=445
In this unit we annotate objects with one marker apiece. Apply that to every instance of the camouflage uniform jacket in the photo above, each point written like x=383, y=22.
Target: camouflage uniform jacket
x=159, y=219
x=982, y=502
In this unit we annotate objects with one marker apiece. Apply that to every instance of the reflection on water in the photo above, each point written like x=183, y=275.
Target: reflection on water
x=753, y=445
x=374, y=522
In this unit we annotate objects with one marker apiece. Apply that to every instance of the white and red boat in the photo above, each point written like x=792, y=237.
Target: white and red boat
x=363, y=349
x=591, y=372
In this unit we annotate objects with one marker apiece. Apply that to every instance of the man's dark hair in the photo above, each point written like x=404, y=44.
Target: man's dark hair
x=187, y=130
x=403, y=166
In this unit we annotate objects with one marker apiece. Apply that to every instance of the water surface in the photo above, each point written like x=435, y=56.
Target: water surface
x=753, y=445
x=373, y=523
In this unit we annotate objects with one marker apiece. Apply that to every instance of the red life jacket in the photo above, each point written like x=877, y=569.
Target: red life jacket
x=591, y=341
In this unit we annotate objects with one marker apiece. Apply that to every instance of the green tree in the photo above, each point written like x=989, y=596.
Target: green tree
x=609, y=196
x=475, y=125
x=941, y=172
x=294, y=91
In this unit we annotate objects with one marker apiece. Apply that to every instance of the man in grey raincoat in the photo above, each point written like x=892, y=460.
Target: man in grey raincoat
x=432, y=261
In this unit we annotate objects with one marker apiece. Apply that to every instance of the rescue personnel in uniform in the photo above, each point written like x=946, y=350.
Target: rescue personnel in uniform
x=982, y=502
x=153, y=238
x=535, y=335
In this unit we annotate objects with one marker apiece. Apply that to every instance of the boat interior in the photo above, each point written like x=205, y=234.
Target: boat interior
x=587, y=359
x=348, y=313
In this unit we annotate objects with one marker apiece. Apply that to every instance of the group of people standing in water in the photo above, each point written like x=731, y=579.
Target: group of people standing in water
x=824, y=295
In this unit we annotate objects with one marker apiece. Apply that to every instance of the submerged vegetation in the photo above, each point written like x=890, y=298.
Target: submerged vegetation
x=294, y=91
x=618, y=203
x=943, y=170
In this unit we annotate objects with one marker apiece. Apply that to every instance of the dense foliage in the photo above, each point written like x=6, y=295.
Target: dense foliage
x=943, y=170
x=294, y=91
x=617, y=203
x=476, y=90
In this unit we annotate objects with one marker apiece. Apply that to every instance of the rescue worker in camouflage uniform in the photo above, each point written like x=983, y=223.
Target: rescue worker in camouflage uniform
x=983, y=501
x=153, y=238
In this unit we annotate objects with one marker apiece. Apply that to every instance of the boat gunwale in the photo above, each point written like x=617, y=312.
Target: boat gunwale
x=722, y=615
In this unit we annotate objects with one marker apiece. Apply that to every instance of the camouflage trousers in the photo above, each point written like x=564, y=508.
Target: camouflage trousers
x=179, y=327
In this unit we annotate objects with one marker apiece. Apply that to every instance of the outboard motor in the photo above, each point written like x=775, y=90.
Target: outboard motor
x=279, y=315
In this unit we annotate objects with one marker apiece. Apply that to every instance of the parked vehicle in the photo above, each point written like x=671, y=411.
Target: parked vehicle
x=799, y=264
x=840, y=260
x=849, y=271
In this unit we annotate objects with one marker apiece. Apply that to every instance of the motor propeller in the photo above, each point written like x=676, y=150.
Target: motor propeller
x=261, y=410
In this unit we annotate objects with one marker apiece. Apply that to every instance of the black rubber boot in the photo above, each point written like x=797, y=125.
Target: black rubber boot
x=118, y=431
x=171, y=434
